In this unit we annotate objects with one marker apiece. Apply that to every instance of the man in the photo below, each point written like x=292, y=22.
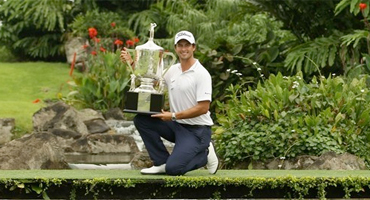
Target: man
x=188, y=124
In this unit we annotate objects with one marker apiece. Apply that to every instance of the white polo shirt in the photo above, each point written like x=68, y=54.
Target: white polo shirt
x=187, y=88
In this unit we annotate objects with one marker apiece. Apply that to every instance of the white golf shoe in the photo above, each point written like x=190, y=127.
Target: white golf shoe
x=212, y=163
x=161, y=169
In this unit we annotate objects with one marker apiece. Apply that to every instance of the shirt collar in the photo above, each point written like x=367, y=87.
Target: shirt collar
x=192, y=68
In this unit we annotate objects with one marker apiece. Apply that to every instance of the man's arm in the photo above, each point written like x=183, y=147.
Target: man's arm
x=201, y=108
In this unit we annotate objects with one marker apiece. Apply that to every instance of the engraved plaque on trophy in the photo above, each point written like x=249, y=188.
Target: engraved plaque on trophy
x=149, y=70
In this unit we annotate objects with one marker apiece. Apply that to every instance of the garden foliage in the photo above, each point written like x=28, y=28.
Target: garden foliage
x=103, y=83
x=287, y=117
x=103, y=86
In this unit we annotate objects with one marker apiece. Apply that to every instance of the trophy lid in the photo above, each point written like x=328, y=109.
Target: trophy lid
x=150, y=45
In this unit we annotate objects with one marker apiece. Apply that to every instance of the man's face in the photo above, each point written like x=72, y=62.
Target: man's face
x=184, y=49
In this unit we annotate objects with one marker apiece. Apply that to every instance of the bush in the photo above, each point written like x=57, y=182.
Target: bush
x=103, y=86
x=104, y=83
x=286, y=117
x=6, y=55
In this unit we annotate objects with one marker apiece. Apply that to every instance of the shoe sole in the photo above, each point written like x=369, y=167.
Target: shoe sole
x=218, y=160
x=162, y=173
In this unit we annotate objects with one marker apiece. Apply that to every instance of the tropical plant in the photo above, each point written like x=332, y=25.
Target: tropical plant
x=230, y=37
x=319, y=26
x=103, y=22
x=287, y=117
x=38, y=29
x=356, y=43
x=33, y=29
x=104, y=82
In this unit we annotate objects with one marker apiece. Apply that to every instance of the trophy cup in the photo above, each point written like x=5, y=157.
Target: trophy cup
x=149, y=69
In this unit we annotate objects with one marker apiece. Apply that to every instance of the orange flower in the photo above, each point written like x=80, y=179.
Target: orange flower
x=93, y=53
x=363, y=6
x=36, y=101
x=118, y=42
x=113, y=24
x=102, y=49
x=130, y=43
x=93, y=32
x=136, y=40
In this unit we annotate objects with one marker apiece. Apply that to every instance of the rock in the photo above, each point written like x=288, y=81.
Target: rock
x=6, y=127
x=66, y=134
x=333, y=161
x=105, y=143
x=300, y=162
x=327, y=161
x=59, y=116
x=34, y=151
x=114, y=113
x=89, y=114
x=141, y=160
x=75, y=45
x=96, y=126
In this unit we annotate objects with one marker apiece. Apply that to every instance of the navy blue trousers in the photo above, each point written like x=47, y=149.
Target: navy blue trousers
x=191, y=143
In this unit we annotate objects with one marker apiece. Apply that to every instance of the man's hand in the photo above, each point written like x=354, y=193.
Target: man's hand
x=125, y=56
x=165, y=116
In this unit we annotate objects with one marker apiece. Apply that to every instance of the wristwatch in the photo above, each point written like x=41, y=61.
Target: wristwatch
x=173, y=118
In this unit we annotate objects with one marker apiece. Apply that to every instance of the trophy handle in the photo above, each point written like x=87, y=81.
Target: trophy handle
x=171, y=63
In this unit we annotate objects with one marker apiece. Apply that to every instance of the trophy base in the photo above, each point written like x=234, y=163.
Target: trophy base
x=143, y=103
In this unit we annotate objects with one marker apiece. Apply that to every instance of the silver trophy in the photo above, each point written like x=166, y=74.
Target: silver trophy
x=149, y=69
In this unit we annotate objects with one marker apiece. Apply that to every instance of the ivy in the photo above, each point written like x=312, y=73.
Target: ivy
x=295, y=187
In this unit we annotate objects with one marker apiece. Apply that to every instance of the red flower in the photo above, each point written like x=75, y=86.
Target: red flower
x=93, y=32
x=113, y=24
x=36, y=101
x=136, y=40
x=118, y=42
x=130, y=43
x=93, y=53
x=85, y=46
x=97, y=40
x=102, y=49
x=363, y=6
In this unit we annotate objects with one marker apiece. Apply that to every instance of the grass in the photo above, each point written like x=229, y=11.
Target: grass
x=23, y=84
x=135, y=174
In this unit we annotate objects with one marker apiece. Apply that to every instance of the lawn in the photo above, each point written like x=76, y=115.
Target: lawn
x=135, y=174
x=24, y=87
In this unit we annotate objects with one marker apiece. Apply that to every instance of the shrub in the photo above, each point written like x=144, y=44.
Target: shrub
x=6, y=55
x=286, y=117
x=102, y=86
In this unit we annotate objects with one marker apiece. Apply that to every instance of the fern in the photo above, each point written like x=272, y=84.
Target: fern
x=40, y=46
x=355, y=37
x=309, y=57
x=353, y=6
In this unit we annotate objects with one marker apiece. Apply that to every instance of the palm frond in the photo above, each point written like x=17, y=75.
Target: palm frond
x=309, y=57
x=355, y=37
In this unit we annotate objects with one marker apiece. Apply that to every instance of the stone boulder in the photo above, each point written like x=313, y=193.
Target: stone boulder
x=333, y=161
x=6, y=127
x=64, y=117
x=105, y=143
x=327, y=161
x=34, y=151
x=58, y=116
x=75, y=46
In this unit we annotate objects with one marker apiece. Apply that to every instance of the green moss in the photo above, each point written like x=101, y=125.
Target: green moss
x=296, y=184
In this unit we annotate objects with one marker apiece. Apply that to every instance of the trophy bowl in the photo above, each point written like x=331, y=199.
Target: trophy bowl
x=149, y=70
